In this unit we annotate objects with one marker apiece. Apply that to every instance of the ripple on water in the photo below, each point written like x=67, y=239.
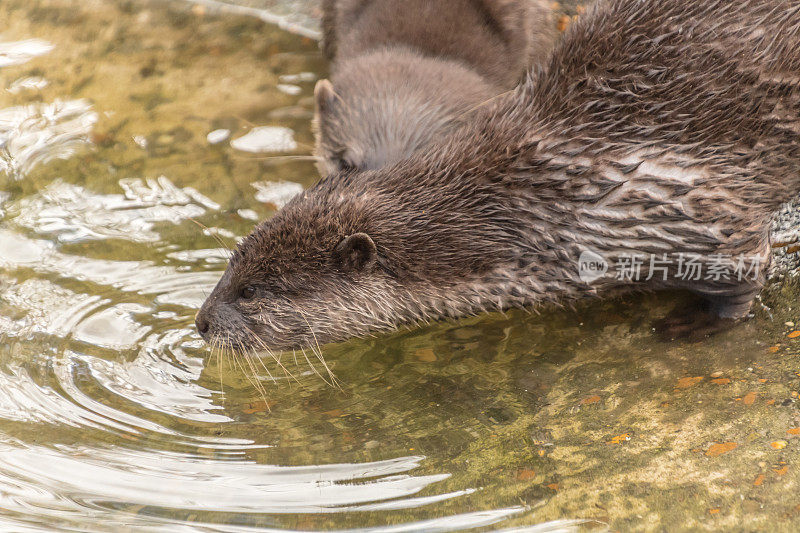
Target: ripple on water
x=182, y=400
x=19, y=52
x=34, y=134
x=162, y=378
x=187, y=289
x=114, y=327
x=76, y=214
x=102, y=477
x=48, y=308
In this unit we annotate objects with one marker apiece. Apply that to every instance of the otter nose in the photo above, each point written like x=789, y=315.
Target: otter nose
x=202, y=323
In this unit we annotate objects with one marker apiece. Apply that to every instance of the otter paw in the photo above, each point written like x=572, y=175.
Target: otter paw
x=692, y=323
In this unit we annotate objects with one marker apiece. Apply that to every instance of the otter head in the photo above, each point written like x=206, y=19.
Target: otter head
x=310, y=275
x=381, y=107
x=362, y=252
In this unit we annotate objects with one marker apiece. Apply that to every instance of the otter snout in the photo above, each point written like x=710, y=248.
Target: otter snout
x=220, y=323
x=208, y=319
x=202, y=324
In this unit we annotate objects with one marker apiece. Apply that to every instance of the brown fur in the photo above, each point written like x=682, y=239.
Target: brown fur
x=407, y=71
x=497, y=38
x=666, y=126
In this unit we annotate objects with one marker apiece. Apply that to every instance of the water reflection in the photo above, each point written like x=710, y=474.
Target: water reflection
x=170, y=286
x=277, y=193
x=266, y=139
x=16, y=53
x=32, y=83
x=75, y=214
x=37, y=133
x=177, y=481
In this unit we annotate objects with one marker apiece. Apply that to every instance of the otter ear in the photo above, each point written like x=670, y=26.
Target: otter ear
x=355, y=253
x=324, y=95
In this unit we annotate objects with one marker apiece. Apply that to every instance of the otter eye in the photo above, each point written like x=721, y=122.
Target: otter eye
x=247, y=292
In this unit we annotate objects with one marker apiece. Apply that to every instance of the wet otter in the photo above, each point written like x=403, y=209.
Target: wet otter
x=656, y=127
x=407, y=71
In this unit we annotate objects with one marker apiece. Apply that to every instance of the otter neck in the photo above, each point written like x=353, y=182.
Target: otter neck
x=495, y=234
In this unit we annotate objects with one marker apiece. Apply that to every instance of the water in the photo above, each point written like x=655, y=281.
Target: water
x=115, y=210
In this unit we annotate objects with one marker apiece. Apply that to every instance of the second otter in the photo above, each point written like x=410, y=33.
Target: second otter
x=406, y=71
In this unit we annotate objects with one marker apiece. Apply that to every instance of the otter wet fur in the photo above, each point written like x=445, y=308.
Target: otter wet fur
x=657, y=127
x=404, y=72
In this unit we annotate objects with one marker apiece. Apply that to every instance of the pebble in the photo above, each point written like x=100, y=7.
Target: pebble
x=287, y=88
x=218, y=136
x=249, y=214
x=266, y=139
x=277, y=193
x=786, y=229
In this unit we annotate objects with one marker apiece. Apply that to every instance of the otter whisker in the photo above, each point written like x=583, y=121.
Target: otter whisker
x=260, y=387
x=247, y=358
x=263, y=345
x=237, y=365
x=254, y=355
x=319, y=353
x=258, y=358
x=261, y=360
x=254, y=379
x=213, y=235
x=215, y=347
x=246, y=122
x=287, y=157
x=314, y=368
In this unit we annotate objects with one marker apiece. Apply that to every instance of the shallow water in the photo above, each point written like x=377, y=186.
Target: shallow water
x=115, y=211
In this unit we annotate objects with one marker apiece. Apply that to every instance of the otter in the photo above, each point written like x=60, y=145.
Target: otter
x=664, y=127
x=407, y=71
